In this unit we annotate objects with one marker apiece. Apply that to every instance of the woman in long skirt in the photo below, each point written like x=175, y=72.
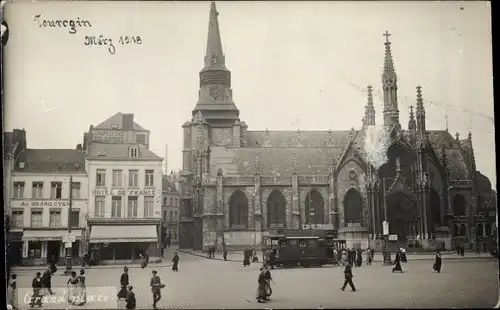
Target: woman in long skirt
x=437, y=262
x=12, y=291
x=261, y=289
x=72, y=285
x=397, y=263
x=269, y=279
x=82, y=292
x=246, y=258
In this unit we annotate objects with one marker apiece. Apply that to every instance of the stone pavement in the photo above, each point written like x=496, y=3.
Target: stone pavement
x=203, y=283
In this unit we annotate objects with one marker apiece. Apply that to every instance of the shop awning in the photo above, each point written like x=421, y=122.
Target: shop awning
x=49, y=235
x=123, y=233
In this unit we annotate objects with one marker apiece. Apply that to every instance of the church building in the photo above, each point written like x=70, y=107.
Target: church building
x=239, y=185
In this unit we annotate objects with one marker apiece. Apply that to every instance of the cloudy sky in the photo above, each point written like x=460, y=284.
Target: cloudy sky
x=294, y=65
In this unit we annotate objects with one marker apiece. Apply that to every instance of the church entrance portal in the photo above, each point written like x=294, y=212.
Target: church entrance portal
x=400, y=215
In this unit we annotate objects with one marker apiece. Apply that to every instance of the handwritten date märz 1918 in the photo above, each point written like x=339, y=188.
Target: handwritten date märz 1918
x=108, y=42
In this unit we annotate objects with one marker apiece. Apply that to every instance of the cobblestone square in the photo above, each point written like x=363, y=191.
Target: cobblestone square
x=204, y=283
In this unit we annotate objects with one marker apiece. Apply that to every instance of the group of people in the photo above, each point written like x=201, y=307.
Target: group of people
x=249, y=254
x=127, y=293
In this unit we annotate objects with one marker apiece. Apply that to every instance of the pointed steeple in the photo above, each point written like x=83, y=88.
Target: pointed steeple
x=214, y=57
x=389, y=84
x=216, y=96
x=412, y=125
x=420, y=111
x=369, y=119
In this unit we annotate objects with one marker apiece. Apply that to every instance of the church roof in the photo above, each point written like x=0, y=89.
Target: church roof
x=279, y=160
x=312, y=139
x=51, y=160
x=457, y=165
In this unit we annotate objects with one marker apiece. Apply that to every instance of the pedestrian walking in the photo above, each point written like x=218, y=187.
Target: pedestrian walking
x=72, y=286
x=348, y=278
x=82, y=288
x=168, y=242
x=156, y=287
x=462, y=250
x=124, y=282
x=269, y=279
x=261, y=288
x=47, y=280
x=397, y=262
x=359, y=258
x=369, y=257
x=478, y=250
x=175, y=262
x=12, y=291
x=36, y=284
x=224, y=254
x=246, y=258
x=437, y=262
x=130, y=299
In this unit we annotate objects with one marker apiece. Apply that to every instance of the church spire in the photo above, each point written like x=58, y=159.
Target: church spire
x=214, y=57
x=389, y=84
x=412, y=125
x=216, y=96
x=420, y=111
x=369, y=118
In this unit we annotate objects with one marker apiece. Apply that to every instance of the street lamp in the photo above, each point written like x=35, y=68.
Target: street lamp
x=69, y=241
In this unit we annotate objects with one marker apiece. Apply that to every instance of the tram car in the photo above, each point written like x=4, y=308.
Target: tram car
x=308, y=248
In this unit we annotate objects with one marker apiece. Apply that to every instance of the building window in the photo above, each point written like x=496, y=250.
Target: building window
x=148, y=207
x=75, y=190
x=133, y=178
x=17, y=219
x=36, y=218
x=175, y=216
x=18, y=189
x=55, y=219
x=170, y=216
x=100, y=179
x=140, y=138
x=165, y=216
x=116, y=206
x=117, y=178
x=150, y=178
x=75, y=218
x=132, y=206
x=134, y=152
x=100, y=202
x=37, y=192
x=165, y=201
x=34, y=249
x=55, y=190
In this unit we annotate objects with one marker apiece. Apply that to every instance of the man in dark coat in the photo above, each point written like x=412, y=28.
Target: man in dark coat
x=175, y=262
x=348, y=278
x=124, y=282
x=36, y=284
x=47, y=280
x=246, y=258
x=437, y=262
x=397, y=262
x=155, y=284
x=130, y=299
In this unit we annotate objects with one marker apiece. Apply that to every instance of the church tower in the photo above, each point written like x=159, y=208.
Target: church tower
x=390, y=87
x=215, y=101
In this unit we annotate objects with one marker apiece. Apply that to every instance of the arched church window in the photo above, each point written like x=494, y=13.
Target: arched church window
x=353, y=207
x=315, y=208
x=238, y=210
x=276, y=210
x=459, y=205
x=463, y=230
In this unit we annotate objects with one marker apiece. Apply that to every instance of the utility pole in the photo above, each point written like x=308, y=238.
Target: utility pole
x=69, y=241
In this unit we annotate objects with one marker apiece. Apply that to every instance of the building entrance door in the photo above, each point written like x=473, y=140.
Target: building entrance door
x=53, y=251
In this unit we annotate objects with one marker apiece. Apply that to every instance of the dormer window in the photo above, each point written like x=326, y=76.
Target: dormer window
x=115, y=126
x=134, y=152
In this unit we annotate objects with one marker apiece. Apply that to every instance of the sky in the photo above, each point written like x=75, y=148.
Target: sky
x=295, y=65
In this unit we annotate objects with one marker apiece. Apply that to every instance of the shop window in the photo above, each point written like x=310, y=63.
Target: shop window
x=35, y=250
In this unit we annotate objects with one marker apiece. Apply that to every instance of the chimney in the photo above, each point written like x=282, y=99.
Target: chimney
x=166, y=159
x=19, y=136
x=128, y=121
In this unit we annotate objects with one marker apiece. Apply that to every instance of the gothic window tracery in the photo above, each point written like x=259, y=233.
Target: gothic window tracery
x=353, y=207
x=276, y=210
x=314, y=201
x=238, y=210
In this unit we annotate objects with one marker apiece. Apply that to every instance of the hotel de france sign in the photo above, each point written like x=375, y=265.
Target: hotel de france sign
x=123, y=192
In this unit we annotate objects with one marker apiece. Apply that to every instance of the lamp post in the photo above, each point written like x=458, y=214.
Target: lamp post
x=69, y=241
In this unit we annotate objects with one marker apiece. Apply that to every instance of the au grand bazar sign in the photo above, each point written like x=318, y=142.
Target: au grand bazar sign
x=123, y=192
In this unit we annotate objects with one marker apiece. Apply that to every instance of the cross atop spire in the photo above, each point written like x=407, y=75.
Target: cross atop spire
x=387, y=35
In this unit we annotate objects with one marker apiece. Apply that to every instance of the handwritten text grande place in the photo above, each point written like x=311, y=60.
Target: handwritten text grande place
x=102, y=41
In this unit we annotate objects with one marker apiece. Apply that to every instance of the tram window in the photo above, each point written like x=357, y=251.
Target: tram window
x=311, y=243
x=274, y=242
x=282, y=244
x=329, y=242
x=292, y=243
x=321, y=242
x=302, y=244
